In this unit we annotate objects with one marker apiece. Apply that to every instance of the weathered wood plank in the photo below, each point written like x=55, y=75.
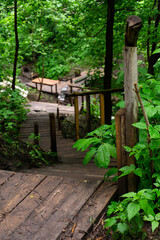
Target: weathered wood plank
x=67, y=211
x=91, y=212
x=15, y=190
x=43, y=212
x=17, y=217
x=4, y=176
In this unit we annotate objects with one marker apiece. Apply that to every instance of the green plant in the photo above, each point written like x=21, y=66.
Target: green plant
x=12, y=109
x=101, y=145
x=127, y=217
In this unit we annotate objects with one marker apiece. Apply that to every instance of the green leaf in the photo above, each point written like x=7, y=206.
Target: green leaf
x=103, y=156
x=148, y=194
x=156, y=51
x=89, y=156
x=83, y=144
x=154, y=225
x=122, y=227
x=153, y=132
x=140, y=125
x=130, y=194
x=111, y=171
x=128, y=149
x=144, y=205
x=132, y=210
x=150, y=111
x=138, y=172
x=127, y=170
x=157, y=217
x=148, y=218
x=120, y=104
x=112, y=149
x=110, y=222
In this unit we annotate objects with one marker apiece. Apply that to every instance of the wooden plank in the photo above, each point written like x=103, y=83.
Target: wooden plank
x=15, y=190
x=44, y=211
x=12, y=221
x=67, y=211
x=90, y=213
x=4, y=176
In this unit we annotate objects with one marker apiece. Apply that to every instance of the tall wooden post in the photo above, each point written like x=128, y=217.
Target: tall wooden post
x=102, y=108
x=121, y=153
x=130, y=78
x=76, y=116
x=36, y=133
x=88, y=113
x=53, y=132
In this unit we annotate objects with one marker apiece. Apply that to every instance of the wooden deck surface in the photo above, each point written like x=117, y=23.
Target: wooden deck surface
x=59, y=202
x=38, y=207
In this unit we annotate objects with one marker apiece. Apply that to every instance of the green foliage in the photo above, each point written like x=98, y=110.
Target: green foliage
x=101, y=145
x=127, y=217
x=12, y=110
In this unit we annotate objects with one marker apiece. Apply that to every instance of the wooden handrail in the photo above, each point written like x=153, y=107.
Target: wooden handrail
x=96, y=92
x=102, y=94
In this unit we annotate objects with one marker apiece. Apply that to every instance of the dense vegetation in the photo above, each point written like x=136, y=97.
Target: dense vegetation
x=54, y=37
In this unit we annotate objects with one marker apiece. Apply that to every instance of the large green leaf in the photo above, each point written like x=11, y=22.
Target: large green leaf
x=153, y=132
x=156, y=51
x=110, y=222
x=138, y=172
x=83, y=144
x=122, y=227
x=103, y=156
x=112, y=149
x=154, y=225
x=130, y=194
x=140, y=125
x=89, y=156
x=127, y=170
x=150, y=111
x=132, y=210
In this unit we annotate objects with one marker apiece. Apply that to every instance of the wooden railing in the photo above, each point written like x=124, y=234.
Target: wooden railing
x=87, y=94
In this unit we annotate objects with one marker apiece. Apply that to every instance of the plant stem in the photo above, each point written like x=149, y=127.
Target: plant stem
x=147, y=123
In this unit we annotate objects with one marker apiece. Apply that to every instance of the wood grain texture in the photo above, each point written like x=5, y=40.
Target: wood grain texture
x=131, y=105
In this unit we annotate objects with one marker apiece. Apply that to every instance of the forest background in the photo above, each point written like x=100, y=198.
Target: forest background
x=62, y=34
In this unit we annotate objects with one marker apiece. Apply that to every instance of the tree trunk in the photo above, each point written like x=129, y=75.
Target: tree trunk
x=108, y=60
x=153, y=58
x=17, y=45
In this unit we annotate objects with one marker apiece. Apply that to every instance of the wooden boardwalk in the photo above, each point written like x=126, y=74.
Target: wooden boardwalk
x=38, y=207
x=59, y=202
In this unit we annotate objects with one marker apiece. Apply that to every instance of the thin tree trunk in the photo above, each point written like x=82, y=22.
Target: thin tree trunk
x=108, y=60
x=17, y=45
x=153, y=58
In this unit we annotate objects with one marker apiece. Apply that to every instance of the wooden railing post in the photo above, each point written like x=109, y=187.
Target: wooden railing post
x=53, y=132
x=36, y=133
x=121, y=153
x=102, y=109
x=88, y=113
x=58, y=119
x=130, y=78
x=76, y=116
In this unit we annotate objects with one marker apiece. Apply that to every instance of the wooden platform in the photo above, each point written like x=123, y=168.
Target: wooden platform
x=40, y=207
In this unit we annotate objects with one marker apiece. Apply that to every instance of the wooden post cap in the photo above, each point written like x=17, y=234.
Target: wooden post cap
x=134, y=24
